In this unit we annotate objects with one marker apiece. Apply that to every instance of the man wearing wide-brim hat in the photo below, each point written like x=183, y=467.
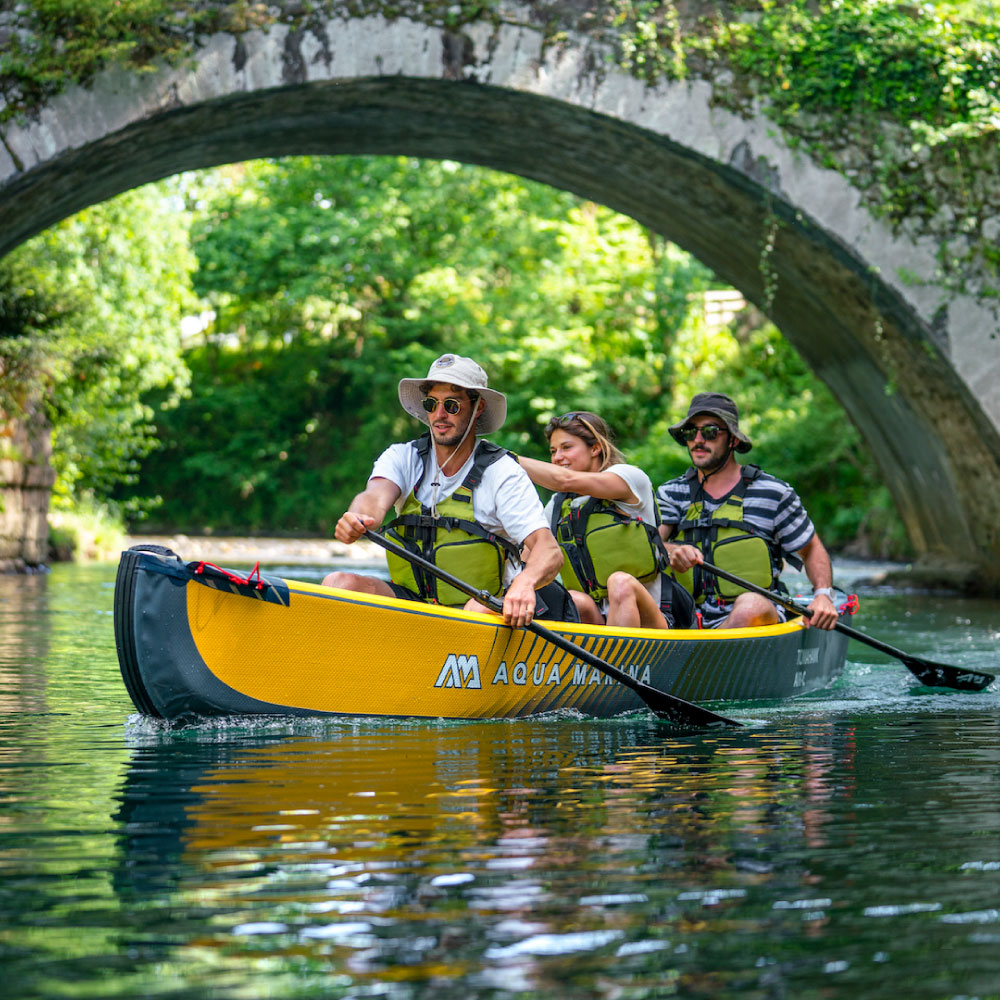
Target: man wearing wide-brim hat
x=460, y=501
x=738, y=518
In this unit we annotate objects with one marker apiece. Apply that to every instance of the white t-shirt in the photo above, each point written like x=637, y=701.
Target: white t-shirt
x=505, y=502
x=642, y=488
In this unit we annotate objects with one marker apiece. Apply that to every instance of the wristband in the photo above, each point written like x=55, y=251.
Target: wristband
x=825, y=591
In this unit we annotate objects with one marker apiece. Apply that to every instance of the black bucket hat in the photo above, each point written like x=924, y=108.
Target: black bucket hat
x=718, y=405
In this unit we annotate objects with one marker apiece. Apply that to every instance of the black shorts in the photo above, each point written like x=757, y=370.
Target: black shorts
x=676, y=603
x=552, y=602
x=404, y=594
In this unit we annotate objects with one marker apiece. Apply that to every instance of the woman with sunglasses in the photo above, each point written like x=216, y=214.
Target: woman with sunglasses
x=604, y=517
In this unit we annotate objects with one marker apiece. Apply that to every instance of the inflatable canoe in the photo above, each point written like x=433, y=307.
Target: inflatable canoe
x=197, y=640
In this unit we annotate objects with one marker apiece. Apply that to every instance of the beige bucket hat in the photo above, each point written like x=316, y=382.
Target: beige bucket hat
x=453, y=369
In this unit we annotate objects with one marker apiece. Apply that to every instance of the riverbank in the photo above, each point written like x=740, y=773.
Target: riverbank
x=268, y=551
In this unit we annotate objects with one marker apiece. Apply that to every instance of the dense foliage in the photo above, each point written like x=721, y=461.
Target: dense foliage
x=323, y=281
x=329, y=279
x=307, y=287
x=912, y=63
x=90, y=314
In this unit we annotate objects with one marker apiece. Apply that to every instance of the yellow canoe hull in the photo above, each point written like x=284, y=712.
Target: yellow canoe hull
x=195, y=644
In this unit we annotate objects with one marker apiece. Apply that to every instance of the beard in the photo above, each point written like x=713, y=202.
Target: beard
x=710, y=462
x=449, y=438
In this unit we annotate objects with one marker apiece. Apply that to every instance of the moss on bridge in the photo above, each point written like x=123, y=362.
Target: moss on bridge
x=903, y=99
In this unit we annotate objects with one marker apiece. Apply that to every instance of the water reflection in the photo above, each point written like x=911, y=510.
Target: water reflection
x=846, y=845
x=24, y=642
x=535, y=852
x=556, y=855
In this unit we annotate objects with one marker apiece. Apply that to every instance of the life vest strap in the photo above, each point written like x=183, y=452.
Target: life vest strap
x=570, y=530
x=422, y=533
x=703, y=531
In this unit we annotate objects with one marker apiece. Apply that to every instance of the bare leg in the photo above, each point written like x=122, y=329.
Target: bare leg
x=473, y=605
x=749, y=610
x=630, y=605
x=358, y=583
x=586, y=606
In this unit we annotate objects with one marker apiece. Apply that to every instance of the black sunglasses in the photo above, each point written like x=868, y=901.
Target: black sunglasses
x=451, y=405
x=708, y=431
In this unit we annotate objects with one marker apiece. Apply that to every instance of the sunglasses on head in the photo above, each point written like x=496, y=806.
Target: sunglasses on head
x=568, y=420
x=451, y=405
x=708, y=431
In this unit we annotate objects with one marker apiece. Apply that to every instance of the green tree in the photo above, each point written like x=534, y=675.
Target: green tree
x=330, y=278
x=90, y=314
x=326, y=280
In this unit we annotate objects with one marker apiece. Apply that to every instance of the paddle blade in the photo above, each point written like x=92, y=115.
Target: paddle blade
x=682, y=713
x=943, y=675
x=667, y=706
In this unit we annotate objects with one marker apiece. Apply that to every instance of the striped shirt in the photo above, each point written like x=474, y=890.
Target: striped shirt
x=769, y=504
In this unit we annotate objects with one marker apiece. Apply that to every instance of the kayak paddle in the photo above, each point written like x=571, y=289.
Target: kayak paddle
x=926, y=671
x=666, y=706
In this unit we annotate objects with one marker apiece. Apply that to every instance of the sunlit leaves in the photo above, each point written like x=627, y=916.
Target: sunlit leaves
x=111, y=285
x=885, y=58
x=365, y=269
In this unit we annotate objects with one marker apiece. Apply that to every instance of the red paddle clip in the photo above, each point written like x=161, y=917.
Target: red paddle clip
x=851, y=605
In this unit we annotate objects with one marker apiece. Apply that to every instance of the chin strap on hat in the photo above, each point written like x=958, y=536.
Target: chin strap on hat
x=438, y=469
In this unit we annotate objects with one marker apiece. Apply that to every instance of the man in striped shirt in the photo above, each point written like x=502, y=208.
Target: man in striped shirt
x=736, y=517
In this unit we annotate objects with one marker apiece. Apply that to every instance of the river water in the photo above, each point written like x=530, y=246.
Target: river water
x=843, y=845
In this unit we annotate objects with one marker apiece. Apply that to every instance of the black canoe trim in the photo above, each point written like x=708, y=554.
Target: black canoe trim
x=173, y=683
x=128, y=661
x=270, y=589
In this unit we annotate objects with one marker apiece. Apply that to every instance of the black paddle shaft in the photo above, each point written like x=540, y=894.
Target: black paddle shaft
x=927, y=672
x=666, y=706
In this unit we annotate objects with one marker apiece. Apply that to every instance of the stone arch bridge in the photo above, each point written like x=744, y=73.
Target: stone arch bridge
x=918, y=371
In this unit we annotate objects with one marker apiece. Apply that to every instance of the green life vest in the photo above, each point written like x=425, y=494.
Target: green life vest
x=728, y=541
x=597, y=540
x=452, y=541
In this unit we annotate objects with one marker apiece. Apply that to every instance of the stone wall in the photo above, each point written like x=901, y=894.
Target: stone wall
x=26, y=478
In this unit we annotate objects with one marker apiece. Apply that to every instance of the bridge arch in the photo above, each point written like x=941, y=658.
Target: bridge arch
x=918, y=371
